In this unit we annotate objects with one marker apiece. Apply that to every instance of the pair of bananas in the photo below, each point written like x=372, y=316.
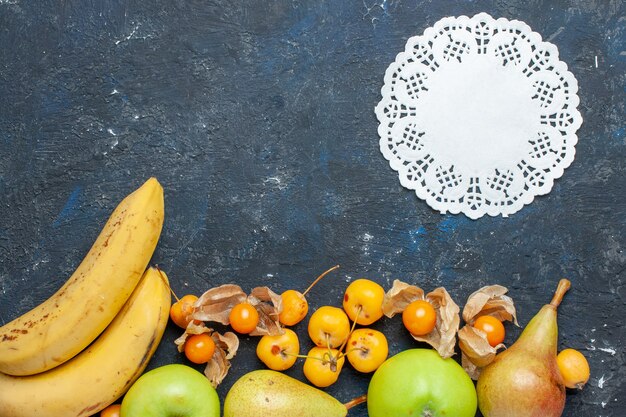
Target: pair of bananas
x=82, y=349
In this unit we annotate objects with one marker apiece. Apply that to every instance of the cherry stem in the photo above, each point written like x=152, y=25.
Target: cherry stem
x=319, y=278
x=358, y=313
x=328, y=341
x=166, y=283
x=347, y=352
x=356, y=401
x=327, y=358
x=301, y=356
x=561, y=289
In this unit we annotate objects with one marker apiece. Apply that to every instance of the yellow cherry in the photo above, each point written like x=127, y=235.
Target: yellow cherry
x=295, y=305
x=295, y=308
x=363, y=301
x=329, y=327
x=367, y=349
x=322, y=366
x=574, y=368
x=279, y=352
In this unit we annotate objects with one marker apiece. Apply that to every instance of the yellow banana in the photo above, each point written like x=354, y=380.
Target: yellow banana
x=78, y=312
x=104, y=371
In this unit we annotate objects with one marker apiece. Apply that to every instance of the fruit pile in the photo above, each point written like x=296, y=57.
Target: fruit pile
x=87, y=346
x=438, y=382
x=266, y=314
x=432, y=318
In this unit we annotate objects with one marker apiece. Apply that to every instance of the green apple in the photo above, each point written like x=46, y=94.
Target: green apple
x=171, y=391
x=419, y=383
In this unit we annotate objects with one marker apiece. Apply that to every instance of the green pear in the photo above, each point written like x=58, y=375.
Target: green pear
x=524, y=380
x=271, y=393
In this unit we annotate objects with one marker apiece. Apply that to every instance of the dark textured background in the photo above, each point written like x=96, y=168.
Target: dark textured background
x=257, y=117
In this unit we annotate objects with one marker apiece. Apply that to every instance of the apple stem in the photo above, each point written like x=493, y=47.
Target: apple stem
x=561, y=289
x=168, y=285
x=319, y=278
x=356, y=401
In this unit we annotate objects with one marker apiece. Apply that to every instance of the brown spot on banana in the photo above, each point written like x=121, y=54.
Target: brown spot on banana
x=87, y=411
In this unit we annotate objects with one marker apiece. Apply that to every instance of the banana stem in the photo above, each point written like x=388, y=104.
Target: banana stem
x=356, y=401
x=561, y=289
x=319, y=278
x=166, y=283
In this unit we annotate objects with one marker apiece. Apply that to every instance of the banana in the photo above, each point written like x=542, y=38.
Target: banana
x=67, y=322
x=104, y=371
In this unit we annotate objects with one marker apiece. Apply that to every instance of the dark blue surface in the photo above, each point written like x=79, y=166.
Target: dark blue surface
x=258, y=120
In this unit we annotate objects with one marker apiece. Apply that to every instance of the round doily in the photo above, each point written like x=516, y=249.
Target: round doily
x=478, y=116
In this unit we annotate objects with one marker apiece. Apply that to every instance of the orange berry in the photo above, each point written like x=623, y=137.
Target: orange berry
x=363, y=301
x=419, y=318
x=295, y=308
x=243, y=318
x=574, y=368
x=492, y=327
x=111, y=411
x=279, y=352
x=181, y=310
x=199, y=348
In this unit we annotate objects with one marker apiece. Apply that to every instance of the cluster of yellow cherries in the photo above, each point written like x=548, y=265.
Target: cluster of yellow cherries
x=334, y=333
x=332, y=330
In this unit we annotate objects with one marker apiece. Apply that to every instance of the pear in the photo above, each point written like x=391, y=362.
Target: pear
x=271, y=393
x=524, y=380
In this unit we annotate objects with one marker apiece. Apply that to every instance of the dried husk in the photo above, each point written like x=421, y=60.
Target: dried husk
x=215, y=306
x=216, y=303
x=192, y=328
x=474, y=344
x=472, y=370
x=492, y=301
x=443, y=336
x=399, y=297
x=226, y=346
x=448, y=319
x=476, y=352
x=269, y=305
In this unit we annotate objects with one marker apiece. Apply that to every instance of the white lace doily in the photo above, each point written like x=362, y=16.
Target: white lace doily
x=478, y=115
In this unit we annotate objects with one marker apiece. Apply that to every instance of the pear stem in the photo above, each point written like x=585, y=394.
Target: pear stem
x=318, y=279
x=356, y=401
x=561, y=289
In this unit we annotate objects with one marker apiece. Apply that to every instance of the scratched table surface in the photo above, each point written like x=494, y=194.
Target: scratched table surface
x=258, y=119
